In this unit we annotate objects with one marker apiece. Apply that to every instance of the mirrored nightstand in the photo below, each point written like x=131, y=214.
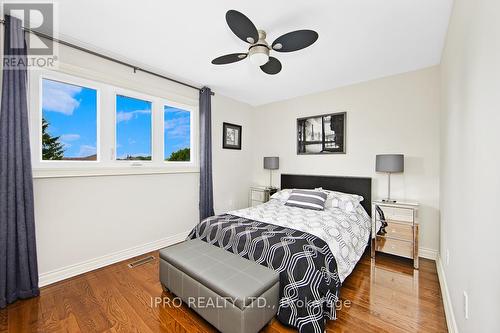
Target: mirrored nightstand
x=401, y=237
x=260, y=194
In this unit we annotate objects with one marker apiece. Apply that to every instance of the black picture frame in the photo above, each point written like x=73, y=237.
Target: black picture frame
x=231, y=136
x=329, y=136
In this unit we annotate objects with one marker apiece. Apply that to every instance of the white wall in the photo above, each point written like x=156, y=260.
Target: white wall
x=86, y=222
x=232, y=169
x=90, y=221
x=398, y=114
x=470, y=164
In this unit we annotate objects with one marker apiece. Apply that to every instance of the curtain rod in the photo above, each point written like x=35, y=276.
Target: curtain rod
x=103, y=56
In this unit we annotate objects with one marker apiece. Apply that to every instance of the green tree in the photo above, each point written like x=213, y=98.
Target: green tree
x=180, y=155
x=52, y=148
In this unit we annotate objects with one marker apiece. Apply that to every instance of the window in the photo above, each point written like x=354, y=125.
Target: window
x=69, y=122
x=133, y=129
x=83, y=127
x=177, y=134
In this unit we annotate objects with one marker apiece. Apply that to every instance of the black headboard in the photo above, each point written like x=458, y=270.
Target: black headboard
x=355, y=185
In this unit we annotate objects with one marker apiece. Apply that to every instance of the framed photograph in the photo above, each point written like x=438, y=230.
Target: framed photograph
x=231, y=136
x=323, y=134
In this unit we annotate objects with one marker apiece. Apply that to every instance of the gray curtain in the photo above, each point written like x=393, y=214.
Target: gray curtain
x=206, y=191
x=18, y=264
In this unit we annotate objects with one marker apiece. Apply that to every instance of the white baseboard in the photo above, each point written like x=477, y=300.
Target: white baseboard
x=448, y=308
x=89, y=265
x=426, y=253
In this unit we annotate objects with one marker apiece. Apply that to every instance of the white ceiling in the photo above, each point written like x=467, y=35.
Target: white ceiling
x=358, y=40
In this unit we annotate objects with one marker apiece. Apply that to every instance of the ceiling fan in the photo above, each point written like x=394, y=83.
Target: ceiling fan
x=259, y=49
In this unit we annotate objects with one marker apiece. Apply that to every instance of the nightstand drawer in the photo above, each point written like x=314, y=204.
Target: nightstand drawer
x=398, y=214
x=395, y=246
x=399, y=231
x=258, y=195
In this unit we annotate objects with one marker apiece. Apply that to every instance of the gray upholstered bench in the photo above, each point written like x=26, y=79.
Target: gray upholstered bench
x=232, y=293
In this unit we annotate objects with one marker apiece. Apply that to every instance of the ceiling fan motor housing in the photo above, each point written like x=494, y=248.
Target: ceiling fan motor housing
x=259, y=52
x=258, y=48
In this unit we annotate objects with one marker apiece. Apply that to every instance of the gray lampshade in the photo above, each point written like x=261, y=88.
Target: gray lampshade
x=390, y=163
x=272, y=163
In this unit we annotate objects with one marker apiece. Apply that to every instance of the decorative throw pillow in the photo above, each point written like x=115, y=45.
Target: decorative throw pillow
x=282, y=195
x=345, y=201
x=308, y=199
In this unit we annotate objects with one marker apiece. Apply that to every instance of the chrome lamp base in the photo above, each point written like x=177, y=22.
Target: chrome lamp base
x=388, y=199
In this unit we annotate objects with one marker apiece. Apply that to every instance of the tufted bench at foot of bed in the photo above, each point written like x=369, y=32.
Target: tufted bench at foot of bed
x=232, y=293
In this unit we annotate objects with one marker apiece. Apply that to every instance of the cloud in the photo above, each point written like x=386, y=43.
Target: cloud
x=70, y=137
x=60, y=97
x=66, y=138
x=126, y=116
x=87, y=150
x=175, y=112
x=178, y=127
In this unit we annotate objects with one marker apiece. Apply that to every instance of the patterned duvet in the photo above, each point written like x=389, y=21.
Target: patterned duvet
x=346, y=234
x=312, y=250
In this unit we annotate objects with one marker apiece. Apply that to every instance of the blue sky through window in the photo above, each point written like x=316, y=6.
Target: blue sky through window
x=71, y=112
x=177, y=128
x=133, y=128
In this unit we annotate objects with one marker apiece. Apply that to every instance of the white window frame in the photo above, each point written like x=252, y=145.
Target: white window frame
x=36, y=120
x=106, y=164
x=189, y=109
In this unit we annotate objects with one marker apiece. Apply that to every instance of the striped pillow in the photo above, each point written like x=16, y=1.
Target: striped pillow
x=308, y=199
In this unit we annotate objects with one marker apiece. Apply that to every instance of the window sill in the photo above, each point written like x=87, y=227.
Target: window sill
x=105, y=172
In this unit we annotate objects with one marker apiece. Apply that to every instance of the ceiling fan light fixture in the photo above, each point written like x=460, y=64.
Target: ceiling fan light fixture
x=259, y=59
x=259, y=55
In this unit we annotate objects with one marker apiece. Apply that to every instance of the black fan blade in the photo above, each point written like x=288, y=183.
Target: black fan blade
x=273, y=66
x=229, y=58
x=295, y=40
x=242, y=26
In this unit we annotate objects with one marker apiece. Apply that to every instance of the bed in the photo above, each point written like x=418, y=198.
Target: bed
x=313, y=251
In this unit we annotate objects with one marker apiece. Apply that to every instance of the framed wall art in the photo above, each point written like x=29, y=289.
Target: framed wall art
x=323, y=134
x=231, y=136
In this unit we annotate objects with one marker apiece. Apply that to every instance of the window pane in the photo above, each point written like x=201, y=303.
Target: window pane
x=69, y=122
x=133, y=129
x=177, y=138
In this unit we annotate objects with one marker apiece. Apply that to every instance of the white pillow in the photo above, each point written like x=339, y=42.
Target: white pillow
x=345, y=201
x=282, y=195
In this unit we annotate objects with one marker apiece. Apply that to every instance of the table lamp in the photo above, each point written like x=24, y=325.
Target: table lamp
x=271, y=163
x=389, y=163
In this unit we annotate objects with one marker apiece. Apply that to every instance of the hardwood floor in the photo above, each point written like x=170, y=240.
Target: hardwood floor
x=386, y=296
